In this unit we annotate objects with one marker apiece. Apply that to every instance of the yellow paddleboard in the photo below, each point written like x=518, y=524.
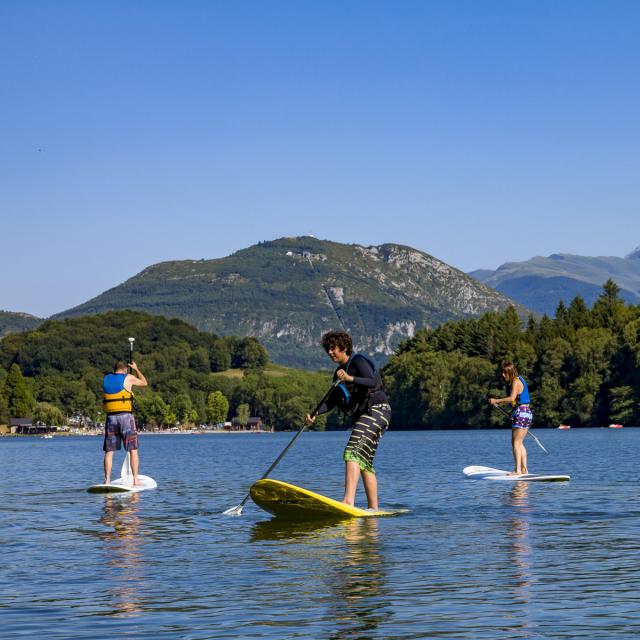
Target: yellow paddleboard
x=287, y=500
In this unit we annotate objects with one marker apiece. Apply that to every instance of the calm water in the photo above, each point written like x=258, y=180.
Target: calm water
x=473, y=559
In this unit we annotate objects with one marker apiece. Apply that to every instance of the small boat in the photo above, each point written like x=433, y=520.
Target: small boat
x=615, y=426
x=47, y=436
x=564, y=426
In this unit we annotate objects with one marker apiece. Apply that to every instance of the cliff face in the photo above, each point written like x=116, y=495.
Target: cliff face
x=287, y=292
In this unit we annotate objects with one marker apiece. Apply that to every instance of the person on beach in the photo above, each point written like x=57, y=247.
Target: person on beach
x=360, y=397
x=521, y=417
x=120, y=424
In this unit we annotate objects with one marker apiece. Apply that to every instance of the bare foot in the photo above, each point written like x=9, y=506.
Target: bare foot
x=514, y=473
x=137, y=483
x=106, y=481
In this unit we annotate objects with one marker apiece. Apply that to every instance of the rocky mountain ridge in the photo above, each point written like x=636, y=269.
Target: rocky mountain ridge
x=287, y=292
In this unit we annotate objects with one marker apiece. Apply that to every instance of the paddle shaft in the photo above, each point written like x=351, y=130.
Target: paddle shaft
x=506, y=413
x=298, y=434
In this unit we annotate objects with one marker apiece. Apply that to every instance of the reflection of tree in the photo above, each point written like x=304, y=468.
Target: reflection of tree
x=519, y=545
x=350, y=563
x=122, y=549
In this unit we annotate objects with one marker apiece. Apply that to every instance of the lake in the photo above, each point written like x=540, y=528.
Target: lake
x=472, y=559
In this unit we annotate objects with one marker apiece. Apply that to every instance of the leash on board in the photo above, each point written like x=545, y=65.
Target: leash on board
x=497, y=406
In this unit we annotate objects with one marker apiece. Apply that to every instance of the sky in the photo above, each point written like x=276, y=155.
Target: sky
x=481, y=132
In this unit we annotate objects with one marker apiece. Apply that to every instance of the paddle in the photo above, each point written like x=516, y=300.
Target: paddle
x=236, y=511
x=131, y=341
x=127, y=471
x=506, y=413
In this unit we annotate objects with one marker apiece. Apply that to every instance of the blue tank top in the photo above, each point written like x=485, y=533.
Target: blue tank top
x=524, y=397
x=113, y=382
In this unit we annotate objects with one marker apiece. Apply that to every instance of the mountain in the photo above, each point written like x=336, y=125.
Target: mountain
x=540, y=283
x=287, y=292
x=11, y=321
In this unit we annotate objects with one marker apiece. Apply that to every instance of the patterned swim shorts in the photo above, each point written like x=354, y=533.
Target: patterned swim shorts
x=365, y=437
x=521, y=418
x=119, y=427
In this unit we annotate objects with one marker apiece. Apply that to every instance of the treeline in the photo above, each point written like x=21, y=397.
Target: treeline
x=582, y=367
x=56, y=372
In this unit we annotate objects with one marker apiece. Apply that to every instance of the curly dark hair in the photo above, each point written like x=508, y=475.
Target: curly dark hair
x=339, y=339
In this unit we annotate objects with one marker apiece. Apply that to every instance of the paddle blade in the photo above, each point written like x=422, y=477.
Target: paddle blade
x=233, y=511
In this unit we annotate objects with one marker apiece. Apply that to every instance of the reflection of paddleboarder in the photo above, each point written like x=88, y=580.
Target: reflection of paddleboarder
x=120, y=424
x=360, y=396
x=521, y=418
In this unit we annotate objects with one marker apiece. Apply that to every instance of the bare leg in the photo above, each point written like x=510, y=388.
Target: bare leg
x=519, y=451
x=371, y=488
x=108, y=461
x=135, y=463
x=351, y=478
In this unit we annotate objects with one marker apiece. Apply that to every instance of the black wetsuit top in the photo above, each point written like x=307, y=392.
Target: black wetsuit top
x=365, y=390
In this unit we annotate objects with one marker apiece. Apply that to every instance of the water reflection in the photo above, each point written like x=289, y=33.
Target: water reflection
x=123, y=554
x=351, y=572
x=519, y=551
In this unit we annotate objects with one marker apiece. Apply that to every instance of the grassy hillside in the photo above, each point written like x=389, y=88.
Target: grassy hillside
x=289, y=291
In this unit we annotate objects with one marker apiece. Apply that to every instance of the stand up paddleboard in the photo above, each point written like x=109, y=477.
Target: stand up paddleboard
x=488, y=473
x=288, y=501
x=124, y=484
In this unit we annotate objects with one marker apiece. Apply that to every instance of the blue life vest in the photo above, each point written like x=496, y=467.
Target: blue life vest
x=113, y=382
x=352, y=399
x=115, y=398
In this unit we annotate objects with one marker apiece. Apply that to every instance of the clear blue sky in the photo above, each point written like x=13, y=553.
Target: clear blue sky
x=478, y=131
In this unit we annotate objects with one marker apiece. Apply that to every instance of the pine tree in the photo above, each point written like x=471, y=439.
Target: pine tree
x=17, y=394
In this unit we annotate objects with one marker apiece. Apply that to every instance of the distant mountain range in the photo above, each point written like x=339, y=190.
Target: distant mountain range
x=287, y=292
x=540, y=283
x=11, y=321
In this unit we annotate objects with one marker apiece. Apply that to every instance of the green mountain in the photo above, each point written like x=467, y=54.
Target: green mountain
x=287, y=292
x=541, y=282
x=11, y=322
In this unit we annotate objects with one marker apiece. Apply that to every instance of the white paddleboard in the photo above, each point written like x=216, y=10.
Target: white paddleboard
x=488, y=473
x=124, y=484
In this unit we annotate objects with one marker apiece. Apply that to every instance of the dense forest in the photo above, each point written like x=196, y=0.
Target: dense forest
x=56, y=371
x=582, y=367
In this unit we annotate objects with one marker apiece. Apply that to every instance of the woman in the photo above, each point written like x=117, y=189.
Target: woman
x=521, y=418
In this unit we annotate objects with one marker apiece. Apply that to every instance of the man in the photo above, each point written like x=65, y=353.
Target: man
x=360, y=396
x=119, y=424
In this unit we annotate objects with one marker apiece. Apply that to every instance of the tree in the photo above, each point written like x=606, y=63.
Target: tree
x=609, y=310
x=622, y=403
x=220, y=355
x=242, y=414
x=48, y=414
x=151, y=409
x=199, y=360
x=4, y=408
x=250, y=354
x=217, y=407
x=183, y=407
x=17, y=393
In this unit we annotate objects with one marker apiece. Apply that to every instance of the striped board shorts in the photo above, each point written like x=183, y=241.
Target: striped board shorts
x=365, y=436
x=120, y=427
x=521, y=418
